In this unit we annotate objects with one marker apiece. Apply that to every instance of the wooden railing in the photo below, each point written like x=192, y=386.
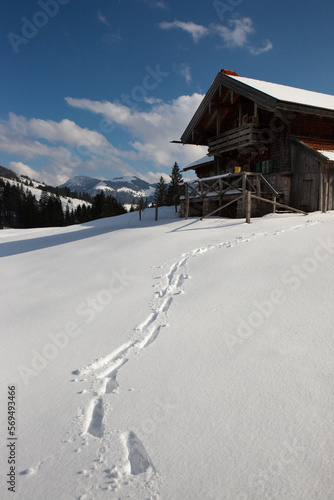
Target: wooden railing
x=238, y=186
x=225, y=184
x=240, y=137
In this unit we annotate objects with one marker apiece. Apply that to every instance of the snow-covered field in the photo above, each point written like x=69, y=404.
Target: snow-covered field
x=173, y=360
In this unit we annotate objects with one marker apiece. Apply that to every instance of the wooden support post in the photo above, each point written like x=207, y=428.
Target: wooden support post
x=187, y=202
x=274, y=206
x=220, y=194
x=279, y=204
x=156, y=211
x=221, y=208
x=139, y=212
x=326, y=197
x=244, y=181
x=321, y=194
x=258, y=185
x=249, y=207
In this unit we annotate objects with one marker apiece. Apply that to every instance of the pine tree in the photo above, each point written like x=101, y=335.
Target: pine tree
x=67, y=220
x=174, y=188
x=160, y=192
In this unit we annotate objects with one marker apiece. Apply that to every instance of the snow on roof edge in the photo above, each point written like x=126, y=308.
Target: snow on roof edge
x=200, y=161
x=289, y=94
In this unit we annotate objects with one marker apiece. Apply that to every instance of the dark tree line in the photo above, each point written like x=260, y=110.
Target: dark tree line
x=19, y=208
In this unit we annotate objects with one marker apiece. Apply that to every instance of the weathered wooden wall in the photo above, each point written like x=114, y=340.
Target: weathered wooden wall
x=306, y=166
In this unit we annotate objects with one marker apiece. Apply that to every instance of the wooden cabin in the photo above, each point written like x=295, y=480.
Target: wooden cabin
x=263, y=137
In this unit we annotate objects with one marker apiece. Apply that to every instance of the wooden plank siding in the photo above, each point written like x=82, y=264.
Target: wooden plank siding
x=237, y=138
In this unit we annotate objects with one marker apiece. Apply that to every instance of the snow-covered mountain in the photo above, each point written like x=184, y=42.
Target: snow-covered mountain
x=37, y=188
x=124, y=189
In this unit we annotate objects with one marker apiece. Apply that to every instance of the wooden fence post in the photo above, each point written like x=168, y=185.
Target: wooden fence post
x=244, y=184
x=156, y=211
x=321, y=193
x=326, y=196
x=249, y=207
x=274, y=206
x=139, y=213
x=187, y=202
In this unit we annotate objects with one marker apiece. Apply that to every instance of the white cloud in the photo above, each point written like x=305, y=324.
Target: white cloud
x=195, y=30
x=65, y=131
x=156, y=4
x=237, y=34
x=153, y=100
x=153, y=177
x=79, y=149
x=185, y=71
x=261, y=50
x=102, y=18
x=66, y=149
x=21, y=169
x=152, y=130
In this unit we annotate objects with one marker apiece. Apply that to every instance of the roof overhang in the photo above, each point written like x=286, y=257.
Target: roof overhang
x=224, y=86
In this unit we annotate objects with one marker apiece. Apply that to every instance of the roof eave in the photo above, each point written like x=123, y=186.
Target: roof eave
x=303, y=108
x=263, y=100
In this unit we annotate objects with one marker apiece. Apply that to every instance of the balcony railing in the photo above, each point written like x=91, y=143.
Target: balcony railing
x=238, y=138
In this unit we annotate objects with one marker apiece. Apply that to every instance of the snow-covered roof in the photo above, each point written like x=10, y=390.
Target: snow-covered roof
x=289, y=94
x=328, y=154
x=201, y=161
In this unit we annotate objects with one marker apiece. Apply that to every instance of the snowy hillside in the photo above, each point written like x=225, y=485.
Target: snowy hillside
x=35, y=189
x=170, y=360
x=125, y=189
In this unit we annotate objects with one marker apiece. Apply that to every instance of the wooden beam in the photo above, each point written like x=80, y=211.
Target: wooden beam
x=279, y=204
x=218, y=122
x=221, y=208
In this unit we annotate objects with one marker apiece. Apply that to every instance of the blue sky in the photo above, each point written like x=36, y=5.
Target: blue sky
x=100, y=88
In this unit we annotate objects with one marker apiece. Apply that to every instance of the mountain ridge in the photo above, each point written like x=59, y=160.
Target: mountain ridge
x=125, y=189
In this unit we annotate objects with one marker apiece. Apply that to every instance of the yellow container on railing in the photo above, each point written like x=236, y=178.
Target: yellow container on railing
x=237, y=170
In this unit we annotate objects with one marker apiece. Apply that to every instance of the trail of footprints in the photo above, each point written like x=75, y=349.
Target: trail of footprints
x=103, y=371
